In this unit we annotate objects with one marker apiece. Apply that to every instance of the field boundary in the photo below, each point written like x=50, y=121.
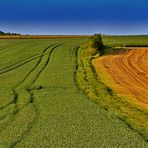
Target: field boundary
x=42, y=36
x=99, y=93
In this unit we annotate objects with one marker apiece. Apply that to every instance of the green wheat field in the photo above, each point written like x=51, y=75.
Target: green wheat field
x=42, y=105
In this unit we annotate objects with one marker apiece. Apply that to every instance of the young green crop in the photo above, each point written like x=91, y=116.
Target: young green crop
x=126, y=41
x=42, y=106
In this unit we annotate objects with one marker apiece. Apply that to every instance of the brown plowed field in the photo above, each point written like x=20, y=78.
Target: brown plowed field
x=126, y=74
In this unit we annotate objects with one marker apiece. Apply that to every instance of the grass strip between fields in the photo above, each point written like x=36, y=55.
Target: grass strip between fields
x=99, y=93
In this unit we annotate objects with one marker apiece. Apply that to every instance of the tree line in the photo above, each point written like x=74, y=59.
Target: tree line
x=8, y=33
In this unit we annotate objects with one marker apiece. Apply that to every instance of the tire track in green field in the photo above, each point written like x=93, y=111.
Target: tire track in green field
x=45, y=63
x=22, y=62
x=17, y=93
x=13, y=90
x=41, y=56
x=31, y=93
x=25, y=61
x=56, y=113
x=37, y=64
x=66, y=116
x=15, y=96
x=19, y=65
x=19, y=62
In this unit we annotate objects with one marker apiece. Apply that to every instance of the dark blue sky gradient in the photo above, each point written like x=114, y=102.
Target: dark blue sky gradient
x=74, y=16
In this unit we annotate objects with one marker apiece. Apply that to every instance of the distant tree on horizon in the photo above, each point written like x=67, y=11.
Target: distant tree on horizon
x=8, y=33
x=2, y=33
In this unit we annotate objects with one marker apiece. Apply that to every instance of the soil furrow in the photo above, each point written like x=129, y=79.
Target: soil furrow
x=129, y=72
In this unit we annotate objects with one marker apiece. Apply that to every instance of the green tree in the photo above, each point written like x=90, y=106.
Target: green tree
x=2, y=33
x=96, y=43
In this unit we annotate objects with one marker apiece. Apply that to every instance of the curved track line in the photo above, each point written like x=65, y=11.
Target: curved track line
x=30, y=92
x=17, y=63
x=23, y=62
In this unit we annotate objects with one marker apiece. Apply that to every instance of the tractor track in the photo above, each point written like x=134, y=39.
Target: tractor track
x=31, y=99
x=23, y=62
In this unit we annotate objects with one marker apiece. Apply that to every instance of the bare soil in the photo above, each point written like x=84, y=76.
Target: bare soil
x=126, y=74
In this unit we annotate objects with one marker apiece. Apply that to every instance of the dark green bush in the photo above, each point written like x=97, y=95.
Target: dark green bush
x=96, y=43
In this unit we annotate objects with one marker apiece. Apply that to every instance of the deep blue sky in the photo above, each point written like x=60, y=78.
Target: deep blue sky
x=74, y=16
